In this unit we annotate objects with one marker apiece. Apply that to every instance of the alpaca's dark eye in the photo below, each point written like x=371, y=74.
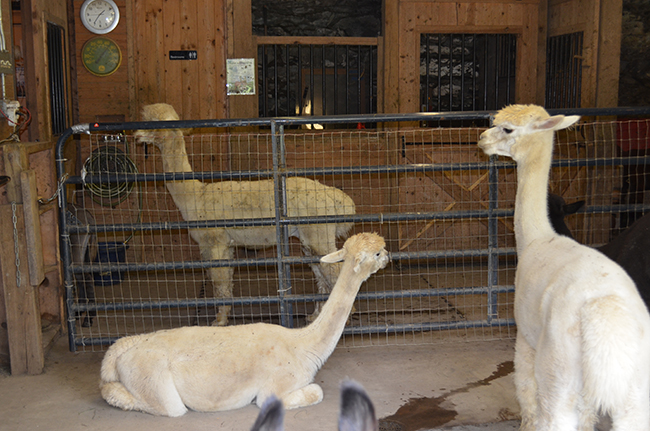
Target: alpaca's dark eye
x=508, y=131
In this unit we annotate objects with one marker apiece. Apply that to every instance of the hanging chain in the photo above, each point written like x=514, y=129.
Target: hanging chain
x=57, y=192
x=14, y=219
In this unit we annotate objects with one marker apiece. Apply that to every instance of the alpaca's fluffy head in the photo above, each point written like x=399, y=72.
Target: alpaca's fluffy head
x=516, y=121
x=158, y=112
x=368, y=250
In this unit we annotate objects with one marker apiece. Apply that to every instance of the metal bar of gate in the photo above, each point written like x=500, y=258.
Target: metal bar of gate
x=493, y=245
x=282, y=230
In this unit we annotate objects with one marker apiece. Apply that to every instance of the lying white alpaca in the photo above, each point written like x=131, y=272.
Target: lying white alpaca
x=228, y=200
x=357, y=411
x=221, y=368
x=583, y=332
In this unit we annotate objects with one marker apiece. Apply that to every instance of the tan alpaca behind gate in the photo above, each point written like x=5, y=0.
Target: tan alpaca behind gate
x=221, y=368
x=228, y=200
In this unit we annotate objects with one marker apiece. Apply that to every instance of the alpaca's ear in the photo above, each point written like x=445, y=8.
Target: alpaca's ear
x=573, y=208
x=334, y=257
x=360, y=257
x=271, y=416
x=556, y=122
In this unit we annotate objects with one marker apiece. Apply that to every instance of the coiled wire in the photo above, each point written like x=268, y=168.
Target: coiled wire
x=109, y=160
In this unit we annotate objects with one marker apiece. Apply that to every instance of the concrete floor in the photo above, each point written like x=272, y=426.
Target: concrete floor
x=441, y=386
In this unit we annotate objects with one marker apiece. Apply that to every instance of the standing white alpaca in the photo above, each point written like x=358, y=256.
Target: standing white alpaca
x=228, y=200
x=221, y=368
x=583, y=332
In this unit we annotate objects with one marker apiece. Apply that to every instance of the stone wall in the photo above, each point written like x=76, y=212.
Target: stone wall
x=352, y=18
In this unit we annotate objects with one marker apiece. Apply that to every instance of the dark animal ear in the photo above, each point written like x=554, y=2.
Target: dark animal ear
x=357, y=410
x=271, y=416
x=573, y=208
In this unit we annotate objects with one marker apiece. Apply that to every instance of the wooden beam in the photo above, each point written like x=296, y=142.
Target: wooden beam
x=34, y=242
x=242, y=106
x=315, y=40
x=21, y=299
x=15, y=159
x=388, y=62
x=609, y=53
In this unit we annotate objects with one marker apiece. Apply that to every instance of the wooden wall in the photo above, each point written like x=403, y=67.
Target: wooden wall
x=601, y=23
x=27, y=306
x=405, y=20
x=35, y=16
x=147, y=31
x=222, y=29
x=196, y=88
x=102, y=96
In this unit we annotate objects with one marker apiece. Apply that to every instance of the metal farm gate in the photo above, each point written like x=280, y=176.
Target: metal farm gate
x=444, y=208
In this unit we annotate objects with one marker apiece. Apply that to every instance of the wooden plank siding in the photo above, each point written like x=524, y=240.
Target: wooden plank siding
x=102, y=95
x=147, y=31
x=601, y=23
x=417, y=17
x=196, y=88
x=219, y=30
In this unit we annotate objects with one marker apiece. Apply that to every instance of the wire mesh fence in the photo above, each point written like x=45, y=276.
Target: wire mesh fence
x=156, y=233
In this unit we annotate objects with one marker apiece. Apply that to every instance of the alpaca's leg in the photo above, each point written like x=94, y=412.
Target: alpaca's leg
x=635, y=414
x=558, y=372
x=321, y=240
x=223, y=287
x=221, y=277
x=303, y=397
x=118, y=396
x=160, y=398
x=587, y=416
x=525, y=385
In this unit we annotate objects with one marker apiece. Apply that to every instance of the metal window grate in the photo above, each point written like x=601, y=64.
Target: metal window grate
x=56, y=56
x=467, y=72
x=317, y=79
x=564, y=71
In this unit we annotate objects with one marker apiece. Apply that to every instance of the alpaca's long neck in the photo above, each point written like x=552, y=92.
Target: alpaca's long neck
x=174, y=158
x=531, y=207
x=320, y=338
x=174, y=154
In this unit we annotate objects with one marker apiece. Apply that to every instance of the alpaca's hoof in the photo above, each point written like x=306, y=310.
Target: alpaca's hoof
x=222, y=316
x=220, y=321
x=311, y=317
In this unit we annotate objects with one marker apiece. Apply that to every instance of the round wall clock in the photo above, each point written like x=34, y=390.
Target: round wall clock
x=101, y=56
x=100, y=16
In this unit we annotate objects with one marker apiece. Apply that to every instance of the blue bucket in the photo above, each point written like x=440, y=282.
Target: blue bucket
x=110, y=253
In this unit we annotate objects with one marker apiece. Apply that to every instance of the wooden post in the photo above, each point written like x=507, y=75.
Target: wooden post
x=20, y=295
x=21, y=298
x=34, y=241
x=243, y=47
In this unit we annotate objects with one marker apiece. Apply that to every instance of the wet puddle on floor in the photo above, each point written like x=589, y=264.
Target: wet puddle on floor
x=427, y=413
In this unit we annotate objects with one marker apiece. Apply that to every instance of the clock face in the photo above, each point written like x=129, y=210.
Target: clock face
x=100, y=16
x=101, y=56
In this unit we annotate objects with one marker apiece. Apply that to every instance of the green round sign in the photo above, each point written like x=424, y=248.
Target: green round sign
x=101, y=56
